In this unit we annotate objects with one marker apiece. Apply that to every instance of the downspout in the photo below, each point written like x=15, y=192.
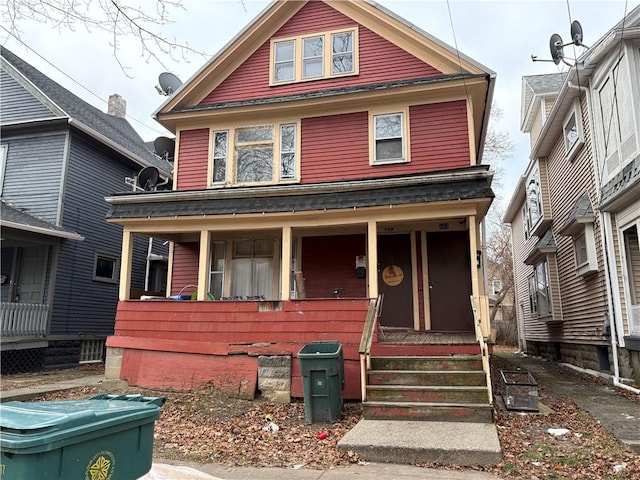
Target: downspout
x=605, y=219
x=148, y=265
x=609, y=260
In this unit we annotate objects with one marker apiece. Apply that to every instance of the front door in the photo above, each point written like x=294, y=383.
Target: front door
x=449, y=281
x=395, y=280
x=32, y=263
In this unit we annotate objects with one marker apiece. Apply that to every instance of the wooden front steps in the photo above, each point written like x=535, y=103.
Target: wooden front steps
x=428, y=388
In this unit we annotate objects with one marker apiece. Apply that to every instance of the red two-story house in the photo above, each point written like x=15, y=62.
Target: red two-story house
x=328, y=186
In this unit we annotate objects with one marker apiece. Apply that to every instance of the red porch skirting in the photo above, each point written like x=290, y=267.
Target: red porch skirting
x=181, y=345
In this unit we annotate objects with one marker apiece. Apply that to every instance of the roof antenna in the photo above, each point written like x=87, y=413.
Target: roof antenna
x=556, y=45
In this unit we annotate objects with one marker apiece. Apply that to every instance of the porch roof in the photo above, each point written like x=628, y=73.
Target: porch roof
x=13, y=217
x=411, y=190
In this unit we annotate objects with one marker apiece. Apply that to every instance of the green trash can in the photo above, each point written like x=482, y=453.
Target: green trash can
x=322, y=369
x=108, y=437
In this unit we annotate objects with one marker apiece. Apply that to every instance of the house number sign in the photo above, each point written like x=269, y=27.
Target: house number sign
x=392, y=275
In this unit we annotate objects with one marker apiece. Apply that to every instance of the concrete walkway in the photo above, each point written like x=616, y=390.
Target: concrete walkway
x=617, y=414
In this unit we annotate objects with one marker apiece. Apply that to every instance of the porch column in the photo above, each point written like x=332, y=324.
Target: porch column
x=203, y=264
x=285, y=266
x=473, y=247
x=372, y=258
x=125, y=265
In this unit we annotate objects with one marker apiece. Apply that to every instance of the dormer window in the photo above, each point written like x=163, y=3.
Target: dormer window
x=321, y=55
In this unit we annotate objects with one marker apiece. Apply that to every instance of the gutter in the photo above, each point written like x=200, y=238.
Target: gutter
x=478, y=172
x=42, y=230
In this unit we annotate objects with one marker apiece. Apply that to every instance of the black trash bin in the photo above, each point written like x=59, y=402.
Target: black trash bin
x=322, y=369
x=105, y=437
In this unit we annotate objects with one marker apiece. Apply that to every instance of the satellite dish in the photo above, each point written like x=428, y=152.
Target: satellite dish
x=169, y=83
x=165, y=147
x=148, y=178
x=576, y=33
x=555, y=45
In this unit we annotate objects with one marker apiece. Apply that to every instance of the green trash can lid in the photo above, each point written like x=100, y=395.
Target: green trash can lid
x=26, y=424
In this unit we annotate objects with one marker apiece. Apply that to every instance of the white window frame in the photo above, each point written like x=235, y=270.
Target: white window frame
x=496, y=286
x=116, y=267
x=221, y=157
x=585, y=240
x=539, y=288
x=231, y=169
x=312, y=59
x=327, y=56
x=575, y=115
x=532, y=185
x=3, y=164
x=373, y=139
x=633, y=309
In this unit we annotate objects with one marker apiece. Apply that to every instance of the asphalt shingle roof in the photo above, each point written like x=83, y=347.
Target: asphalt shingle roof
x=371, y=197
x=114, y=128
x=10, y=214
x=546, y=83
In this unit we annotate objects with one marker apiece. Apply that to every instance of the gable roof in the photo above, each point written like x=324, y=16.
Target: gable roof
x=366, y=12
x=112, y=131
x=536, y=87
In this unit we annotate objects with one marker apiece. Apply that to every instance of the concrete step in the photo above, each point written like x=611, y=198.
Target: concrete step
x=421, y=363
x=412, y=377
x=431, y=394
x=428, y=411
x=412, y=442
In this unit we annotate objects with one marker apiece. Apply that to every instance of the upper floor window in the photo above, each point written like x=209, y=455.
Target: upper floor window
x=573, y=133
x=496, y=287
x=617, y=139
x=255, y=154
x=322, y=55
x=3, y=165
x=388, y=134
x=532, y=211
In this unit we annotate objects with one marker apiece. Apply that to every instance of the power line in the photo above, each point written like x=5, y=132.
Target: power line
x=75, y=81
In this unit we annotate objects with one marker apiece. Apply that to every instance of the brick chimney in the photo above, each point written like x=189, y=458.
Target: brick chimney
x=117, y=106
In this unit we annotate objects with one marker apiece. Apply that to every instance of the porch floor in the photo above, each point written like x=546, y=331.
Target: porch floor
x=406, y=336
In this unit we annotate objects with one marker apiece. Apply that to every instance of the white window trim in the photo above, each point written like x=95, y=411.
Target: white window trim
x=626, y=281
x=406, y=140
x=591, y=264
x=530, y=226
x=327, y=57
x=231, y=164
x=576, y=113
x=116, y=267
x=3, y=165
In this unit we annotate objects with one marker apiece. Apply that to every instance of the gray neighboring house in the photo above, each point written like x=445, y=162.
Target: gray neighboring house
x=59, y=266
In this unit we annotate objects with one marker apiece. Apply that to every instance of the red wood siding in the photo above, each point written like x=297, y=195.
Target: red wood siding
x=185, y=267
x=330, y=262
x=439, y=136
x=380, y=61
x=187, y=332
x=193, y=158
x=337, y=147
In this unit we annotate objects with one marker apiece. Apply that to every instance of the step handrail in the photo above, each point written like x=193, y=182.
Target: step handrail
x=481, y=323
x=373, y=313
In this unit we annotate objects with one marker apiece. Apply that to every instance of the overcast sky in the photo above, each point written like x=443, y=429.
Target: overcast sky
x=501, y=35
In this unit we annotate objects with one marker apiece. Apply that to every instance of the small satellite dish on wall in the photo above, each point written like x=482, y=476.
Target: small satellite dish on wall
x=169, y=83
x=148, y=178
x=164, y=147
x=555, y=45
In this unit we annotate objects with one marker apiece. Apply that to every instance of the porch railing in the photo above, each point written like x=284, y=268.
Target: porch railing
x=375, y=308
x=480, y=306
x=23, y=319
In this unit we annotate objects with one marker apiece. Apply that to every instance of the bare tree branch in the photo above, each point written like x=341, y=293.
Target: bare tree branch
x=114, y=17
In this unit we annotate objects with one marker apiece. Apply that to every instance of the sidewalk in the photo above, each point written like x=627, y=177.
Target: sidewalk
x=617, y=414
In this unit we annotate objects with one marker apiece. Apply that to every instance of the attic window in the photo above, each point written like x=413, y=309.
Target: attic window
x=312, y=57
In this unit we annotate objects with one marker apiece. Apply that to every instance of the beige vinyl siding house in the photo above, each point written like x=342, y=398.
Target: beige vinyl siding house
x=579, y=242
